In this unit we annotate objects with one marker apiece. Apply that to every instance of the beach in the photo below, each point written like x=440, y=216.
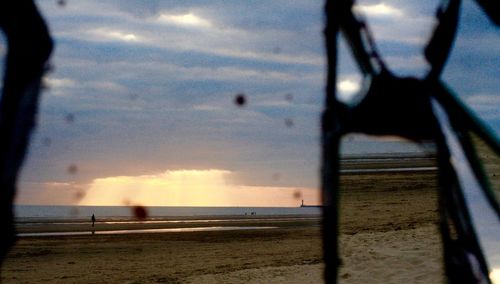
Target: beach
x=197, y=257
x=389, y=228
x=388, y=234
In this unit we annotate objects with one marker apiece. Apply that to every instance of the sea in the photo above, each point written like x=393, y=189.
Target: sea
x=83, y=212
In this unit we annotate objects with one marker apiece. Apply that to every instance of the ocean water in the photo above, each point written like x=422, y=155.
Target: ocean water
x=75, y=212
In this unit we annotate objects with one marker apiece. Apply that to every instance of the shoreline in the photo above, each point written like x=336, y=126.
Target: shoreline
x=112, y=224
x=141, y=231
x=388, y=233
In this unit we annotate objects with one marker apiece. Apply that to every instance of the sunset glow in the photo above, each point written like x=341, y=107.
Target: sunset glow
x=191, y=188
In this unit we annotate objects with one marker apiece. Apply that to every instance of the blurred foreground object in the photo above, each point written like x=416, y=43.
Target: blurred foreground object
x=420, y=110
x=29, y=47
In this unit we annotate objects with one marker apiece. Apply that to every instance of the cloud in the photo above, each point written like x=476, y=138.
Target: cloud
x=348, y=90
x=151, y=85
x=348, y=86
x=400, y=33
x=193, y=29
x=413, y=65
x=478, y=42
x=189, y=20
x=115, y=35
x=381, y=10
x=389, y=22
x=495, y=275
x=68, y=87
x=140, y=9
x=49, y=193
x=211, y=187
x=60, y=82
x=487, y=106
x=485, y=99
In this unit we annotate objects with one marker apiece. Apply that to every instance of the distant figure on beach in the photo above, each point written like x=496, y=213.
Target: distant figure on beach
x=93, y=220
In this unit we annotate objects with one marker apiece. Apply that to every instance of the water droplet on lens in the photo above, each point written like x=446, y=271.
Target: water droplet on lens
x=46, y=141
x=276, y=176
x=72, y=169
x=240, y=100
x=297, y=194
x=79, y=195
x=69, y=118
x=74, y=211
x=139, y=212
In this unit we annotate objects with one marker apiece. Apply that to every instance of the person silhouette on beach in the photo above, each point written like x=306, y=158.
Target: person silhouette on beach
x=93, y=220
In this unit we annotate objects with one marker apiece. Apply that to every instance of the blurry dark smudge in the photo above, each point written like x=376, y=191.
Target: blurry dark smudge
x=61, y=3
x=46, y=141
x=276, y=176
x=240, y=100
x=79, y=195
x=289, y=97
x=74, y=211
x=69, y=118
x=72, y=169
x=133, y=97
x=297, y=194
x=139, y=212
x=277, y=50
x=288, y=122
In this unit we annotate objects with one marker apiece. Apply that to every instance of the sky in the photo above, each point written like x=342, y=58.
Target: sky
x=139, y=108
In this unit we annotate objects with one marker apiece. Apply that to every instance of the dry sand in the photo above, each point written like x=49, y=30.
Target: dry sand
x=388, y=235
x=389, y=229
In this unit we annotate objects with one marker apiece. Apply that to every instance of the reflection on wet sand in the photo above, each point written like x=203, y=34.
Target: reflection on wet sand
x=139, y=231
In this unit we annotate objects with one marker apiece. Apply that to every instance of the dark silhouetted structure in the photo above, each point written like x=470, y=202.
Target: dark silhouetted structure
x=29, y=47
x=416, y=109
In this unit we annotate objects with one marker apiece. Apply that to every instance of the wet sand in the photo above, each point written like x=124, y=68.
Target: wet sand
x=388, y=235
x=169, y=257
